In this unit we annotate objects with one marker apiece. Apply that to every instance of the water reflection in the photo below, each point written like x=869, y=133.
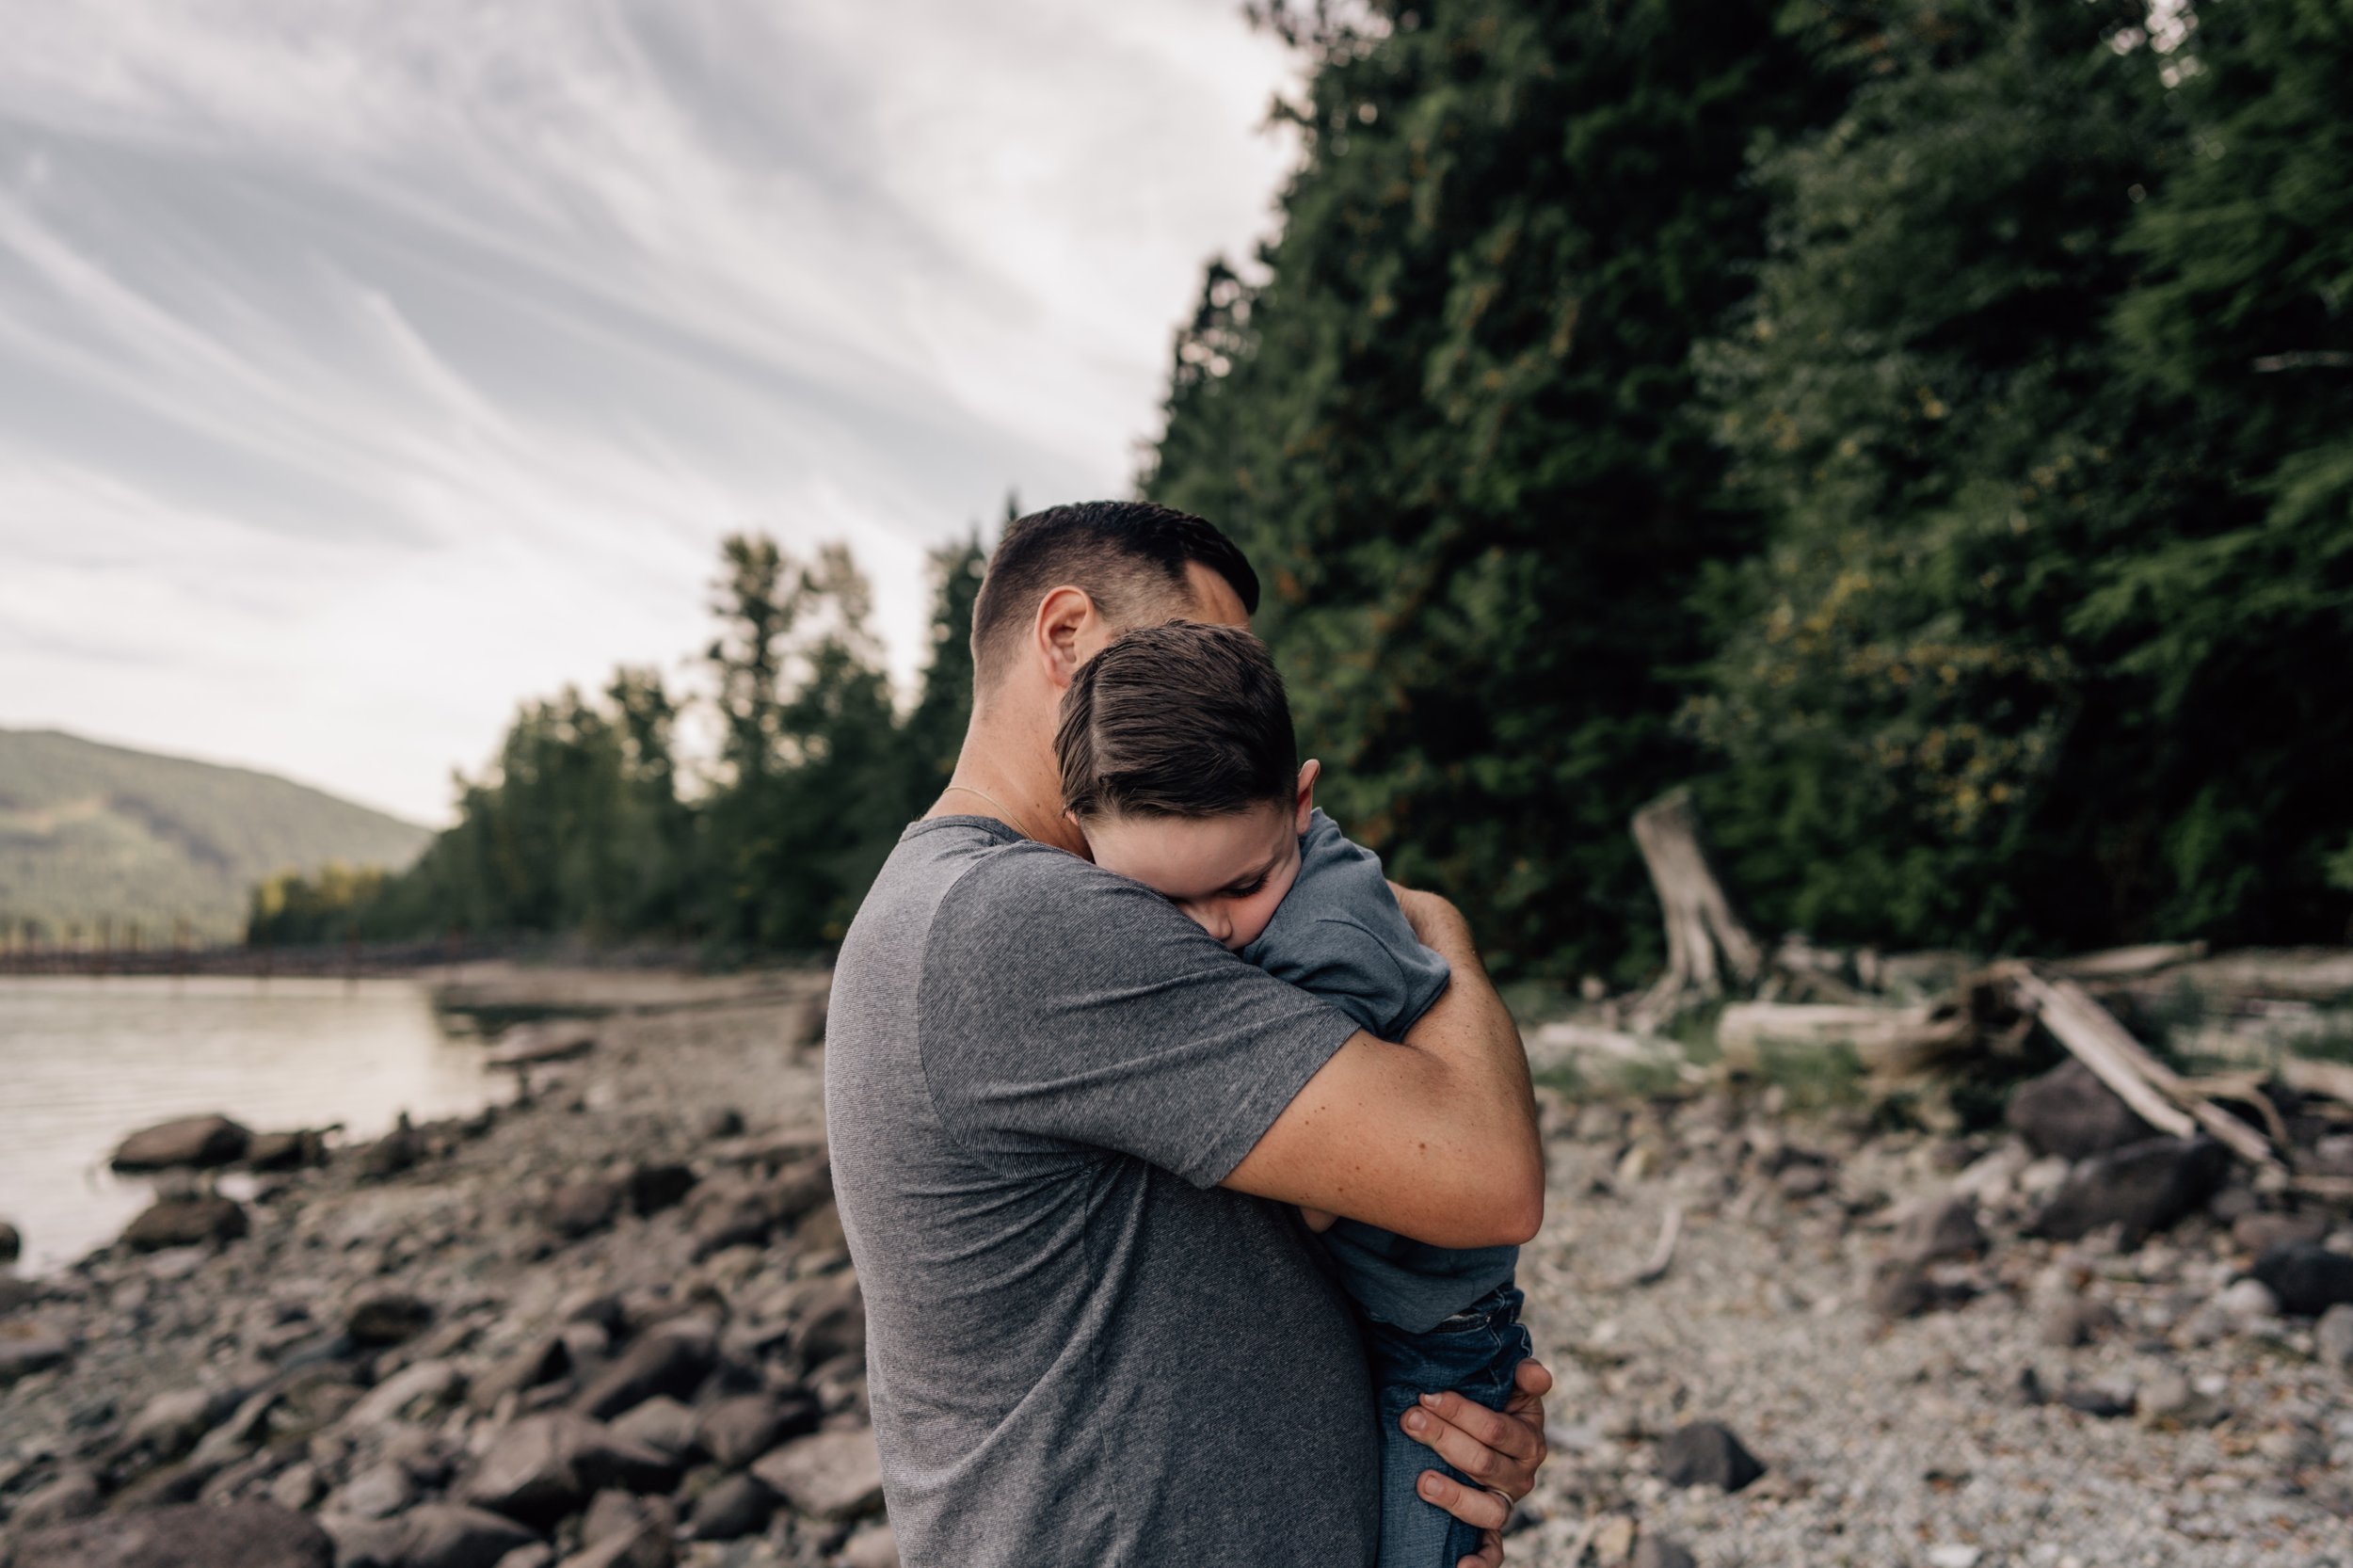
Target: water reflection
x=84, y=1061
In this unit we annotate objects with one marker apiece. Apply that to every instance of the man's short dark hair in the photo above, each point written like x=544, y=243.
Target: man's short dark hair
x=1128, y=555
x=1181, y=720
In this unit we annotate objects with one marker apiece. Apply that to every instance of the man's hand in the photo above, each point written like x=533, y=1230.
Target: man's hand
x=1500, y=1451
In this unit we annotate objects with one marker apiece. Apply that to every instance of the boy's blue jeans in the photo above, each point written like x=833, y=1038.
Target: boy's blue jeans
x=1475, y=1354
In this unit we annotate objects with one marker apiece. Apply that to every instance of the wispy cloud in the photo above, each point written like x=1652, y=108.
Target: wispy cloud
x=364, y=367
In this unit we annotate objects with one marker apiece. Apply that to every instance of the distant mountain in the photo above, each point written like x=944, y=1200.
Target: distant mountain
x=92, y=833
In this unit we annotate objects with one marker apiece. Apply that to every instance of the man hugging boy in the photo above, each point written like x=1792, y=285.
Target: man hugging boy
x=1179, y=764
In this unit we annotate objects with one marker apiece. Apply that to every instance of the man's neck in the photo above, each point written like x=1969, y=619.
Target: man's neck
x=1006, y=771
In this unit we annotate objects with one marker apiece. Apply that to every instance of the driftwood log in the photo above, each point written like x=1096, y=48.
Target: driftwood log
x=2164, y=1100
x=1891, y=1043
x=1707, y=946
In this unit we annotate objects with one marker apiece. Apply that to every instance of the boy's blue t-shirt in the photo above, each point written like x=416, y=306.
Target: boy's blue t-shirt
x=1339, y=933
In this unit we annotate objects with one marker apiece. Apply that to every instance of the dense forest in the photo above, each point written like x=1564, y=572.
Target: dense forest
x=1926, y=428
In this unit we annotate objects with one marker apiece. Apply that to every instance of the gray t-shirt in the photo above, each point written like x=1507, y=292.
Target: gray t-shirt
x=1082, y=1352
x=1339, y=933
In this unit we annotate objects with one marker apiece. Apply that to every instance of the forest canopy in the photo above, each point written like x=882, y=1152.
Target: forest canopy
x=1926, y=429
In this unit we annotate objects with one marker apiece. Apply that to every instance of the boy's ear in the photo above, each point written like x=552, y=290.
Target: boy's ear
x=1309, y=772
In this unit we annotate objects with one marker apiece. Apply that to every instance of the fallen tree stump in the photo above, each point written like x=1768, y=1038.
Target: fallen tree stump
x=1890, y=1043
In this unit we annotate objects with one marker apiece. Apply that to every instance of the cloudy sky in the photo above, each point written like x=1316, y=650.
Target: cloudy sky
x=367, y=365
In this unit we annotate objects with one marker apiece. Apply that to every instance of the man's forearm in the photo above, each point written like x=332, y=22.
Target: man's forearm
x=1472, y=1033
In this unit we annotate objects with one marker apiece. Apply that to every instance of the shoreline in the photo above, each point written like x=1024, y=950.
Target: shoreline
x=642, y=1252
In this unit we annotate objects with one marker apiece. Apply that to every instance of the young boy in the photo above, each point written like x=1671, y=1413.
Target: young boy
x=1179, y=764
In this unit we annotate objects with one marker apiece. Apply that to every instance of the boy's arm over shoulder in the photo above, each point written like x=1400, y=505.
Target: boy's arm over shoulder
x=1340, y=934
x=1433, y=1136
x=1061, y=1006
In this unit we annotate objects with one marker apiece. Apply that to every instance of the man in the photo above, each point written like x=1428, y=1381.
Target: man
x=1069, y=1130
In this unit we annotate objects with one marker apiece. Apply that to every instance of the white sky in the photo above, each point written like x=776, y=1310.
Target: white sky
x=369, y=366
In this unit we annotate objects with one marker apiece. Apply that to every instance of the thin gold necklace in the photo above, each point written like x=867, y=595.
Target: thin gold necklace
x=1002, y=811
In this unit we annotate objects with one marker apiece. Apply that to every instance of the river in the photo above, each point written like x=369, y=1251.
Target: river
x=84, y=1061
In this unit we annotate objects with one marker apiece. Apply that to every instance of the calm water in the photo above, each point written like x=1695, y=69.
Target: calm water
x=84, y=1061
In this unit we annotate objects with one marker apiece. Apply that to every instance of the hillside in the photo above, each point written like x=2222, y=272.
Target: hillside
x=91, y=832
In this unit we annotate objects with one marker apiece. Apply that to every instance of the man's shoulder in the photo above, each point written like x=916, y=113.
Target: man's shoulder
x=1035, y=899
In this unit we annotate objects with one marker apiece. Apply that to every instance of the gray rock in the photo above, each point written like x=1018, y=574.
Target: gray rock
x=2067, y=1111
x=1941, y=1229
x=1659, y=1551
x=737, y=1506
x=16, y=1293
x=622, y=1532
x=375, y=1493
x=397, y=1151
x=721, y=1121
x=2333, y=1338
x=544, y=1466
x=2246, y=1301
x=199, y=1220
x=70, y=1494
x=413, y=1393
x=285, y=1151
x=875, y=1546
x=240, y=1535
x=2263, y=1232
x=2077, y=1321
x=1705, y=1453
x=394, y=1318
x=2308, y=1279
x=12, y=1242
x=673, y=1358
x=171, y=1423
x=738, y=1431
x=820, y=1234
x=1900, y=1289
x=200, y=1141
x=835, y=1322
x=656, y=1187
x=22, y=1354
x=541, y=1360
x=831, y=1475
x=661, y=1424
x=2142, y=1189
x=579, y=1208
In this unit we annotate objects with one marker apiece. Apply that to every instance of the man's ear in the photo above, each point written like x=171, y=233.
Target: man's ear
x=1309, y=772
x=1060, y=637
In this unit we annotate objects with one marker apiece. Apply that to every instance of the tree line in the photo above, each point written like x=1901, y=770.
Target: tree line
x=1926, y=428
x=589, y=822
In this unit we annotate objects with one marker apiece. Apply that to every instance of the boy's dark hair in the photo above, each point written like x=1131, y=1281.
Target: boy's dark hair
x=1128, y=555
x=1181, y=720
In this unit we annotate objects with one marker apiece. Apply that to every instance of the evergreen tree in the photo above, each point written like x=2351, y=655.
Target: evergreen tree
x=1453, y=428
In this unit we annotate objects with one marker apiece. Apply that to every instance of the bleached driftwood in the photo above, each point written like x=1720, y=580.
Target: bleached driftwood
x=1706, y=943
x=2333, y=1079
x=1889, y=1042
x=2090, y=1033
x=2128, y=963
x=1662, y=1255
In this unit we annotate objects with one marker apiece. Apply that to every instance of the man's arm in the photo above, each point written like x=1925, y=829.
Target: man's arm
x=1433, y=1137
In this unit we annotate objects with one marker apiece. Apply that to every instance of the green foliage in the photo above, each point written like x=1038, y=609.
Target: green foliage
x=2024, y=664
x=1453, y=427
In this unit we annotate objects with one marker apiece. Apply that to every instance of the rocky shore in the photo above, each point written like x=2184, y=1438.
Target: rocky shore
x=614, y=1325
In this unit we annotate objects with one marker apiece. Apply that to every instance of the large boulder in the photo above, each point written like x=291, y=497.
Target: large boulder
x=201, y=1142
x=2142, y=1188
x=2067, y=1111
x=240, y=1535
x=829, y=1476
x=2307, y=1279
x=737, y=1431
x=11, y=1244
x=546, y=1466
x=196, y=1220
